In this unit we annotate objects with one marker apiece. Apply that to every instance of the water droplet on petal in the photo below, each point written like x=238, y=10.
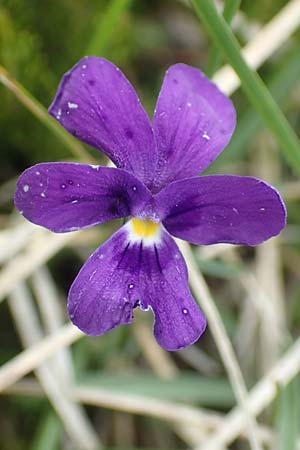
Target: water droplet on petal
x=63, y=186
x=185, y=311
x=43, y=194
x=70, y=182
x=134, y=188
x=37, y=173
x=262, y=209
x=25, y=188
x=131, y=286
x=58, y=115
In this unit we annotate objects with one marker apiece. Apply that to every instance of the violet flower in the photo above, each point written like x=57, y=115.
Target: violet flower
x=156, y=185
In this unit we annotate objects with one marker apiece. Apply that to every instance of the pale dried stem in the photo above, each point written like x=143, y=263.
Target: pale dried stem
x=163, y=366
x=210, y=421
x=52, y=316
x=232, y=426
x=70, y=413
x=273, y=330
x=222, y=341
x=263, y=45
x=41, y=247
x=32, y=357
x=259, y=398
x=14, y=238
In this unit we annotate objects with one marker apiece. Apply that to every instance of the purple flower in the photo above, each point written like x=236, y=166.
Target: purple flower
x=156, y=184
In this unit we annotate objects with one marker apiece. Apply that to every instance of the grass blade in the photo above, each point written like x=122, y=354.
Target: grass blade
x=215, y=57
x=252, y=84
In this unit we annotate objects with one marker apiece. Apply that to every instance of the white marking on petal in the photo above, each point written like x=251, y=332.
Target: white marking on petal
x=206, y=136
x=72, y=105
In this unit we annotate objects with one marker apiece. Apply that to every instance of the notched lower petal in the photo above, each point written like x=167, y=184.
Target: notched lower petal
x=128, y=271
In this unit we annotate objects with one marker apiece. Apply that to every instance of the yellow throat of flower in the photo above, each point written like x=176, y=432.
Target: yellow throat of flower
x=144, y=228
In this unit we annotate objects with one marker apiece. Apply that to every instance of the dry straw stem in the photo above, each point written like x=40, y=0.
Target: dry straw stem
x=263, y=45
x=52, y=316
x=259, y=398
x=231, y=427
x=163, y=366
x=71, y=414
x=222, y=341
x=209, y=422
x=41, y=247
x=32, y=357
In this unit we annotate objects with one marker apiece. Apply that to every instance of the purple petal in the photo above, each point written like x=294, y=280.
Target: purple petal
x=66, y=196
x=193, y=122
x=96, y=103
x=164, y=287
x=127, y=271
x=221, y=208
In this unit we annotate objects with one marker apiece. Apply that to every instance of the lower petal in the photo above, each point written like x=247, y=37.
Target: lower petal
x=164, y=287
x=130, y=270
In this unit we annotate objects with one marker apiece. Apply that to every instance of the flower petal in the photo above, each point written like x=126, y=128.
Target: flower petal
x=221, y=208
x=96, y=103
x=67, y=196
x=164, y=287
x=103, y=294
x=193, y=122
x=127, y=271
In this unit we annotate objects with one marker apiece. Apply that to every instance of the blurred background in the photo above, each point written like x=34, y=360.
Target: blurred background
x=121, y=391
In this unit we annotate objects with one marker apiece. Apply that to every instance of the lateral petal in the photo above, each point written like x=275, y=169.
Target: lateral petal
x=67, y=196
x=221, y=208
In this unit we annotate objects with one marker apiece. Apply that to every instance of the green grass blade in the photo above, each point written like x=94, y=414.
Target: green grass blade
x=252, y=84
x=39, y=111
x=48, y=433
x=286, y=75
x=288, y=420
x=187, y=387
x=215, y=57
x=107, y=27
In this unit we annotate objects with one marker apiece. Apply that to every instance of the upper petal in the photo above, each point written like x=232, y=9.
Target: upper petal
x=221, y=208
x=67, y=196
x=96, y=103
x=128, y=270
x=193, y=122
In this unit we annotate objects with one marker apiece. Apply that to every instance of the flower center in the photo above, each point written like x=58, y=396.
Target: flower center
x=144, y=228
